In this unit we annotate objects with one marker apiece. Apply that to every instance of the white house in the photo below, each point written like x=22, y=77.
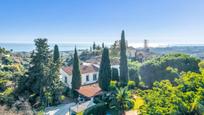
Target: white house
x=89, y=74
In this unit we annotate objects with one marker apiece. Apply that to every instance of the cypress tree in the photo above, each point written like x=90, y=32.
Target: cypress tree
x=56, y=88
x=115, y=76
x=76, y=75
x=103, y=46
x=56, y=54
x=94, y=46
x=105, y=70
x=123, y=60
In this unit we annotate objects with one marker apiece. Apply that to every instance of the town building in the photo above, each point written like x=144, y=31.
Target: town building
x=140, y=54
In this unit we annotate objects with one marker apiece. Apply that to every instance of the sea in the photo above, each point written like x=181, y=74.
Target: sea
x=28, y=47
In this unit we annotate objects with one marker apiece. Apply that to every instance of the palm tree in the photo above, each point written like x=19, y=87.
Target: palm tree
x=122, y=100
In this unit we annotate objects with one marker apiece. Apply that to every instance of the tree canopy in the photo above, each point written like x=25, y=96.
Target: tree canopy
x=41, y=84
x=186, y=97
x=157, y=69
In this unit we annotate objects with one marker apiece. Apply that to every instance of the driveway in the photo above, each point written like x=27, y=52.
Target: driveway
x=62, y=109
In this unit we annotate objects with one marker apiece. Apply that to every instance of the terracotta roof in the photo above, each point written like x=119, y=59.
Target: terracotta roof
x=89, y=90
x=83, y=69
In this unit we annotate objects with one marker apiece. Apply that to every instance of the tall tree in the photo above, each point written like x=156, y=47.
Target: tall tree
x=56, y=87
x=56, y=54
x=105, y=70
x=103, y=46
x=123, y=60
x=94, y=46
x=115, y=76
x=39, y=70
x=76, y=75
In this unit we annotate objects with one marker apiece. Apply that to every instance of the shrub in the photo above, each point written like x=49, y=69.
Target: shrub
x=131, y=84
x=113, y=84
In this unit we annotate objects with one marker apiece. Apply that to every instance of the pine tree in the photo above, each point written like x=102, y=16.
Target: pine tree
x=42, y=83
x=115, y=76
x=105, y=70
x=56, y=54
x=76, y=75
x=123, y=60
x=39, y=70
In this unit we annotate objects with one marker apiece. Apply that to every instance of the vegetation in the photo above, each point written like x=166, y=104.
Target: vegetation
x=56, y=55
x=114, y=51
x=175, y=82
x=56, y=87
x=41, y=84
x=105, y=71
x=10, y=72
x=94, y=46
x=76, y=75
x=114, y=103
x=133, y=69
x=121, y=100
x=115, y=76
x=157, y=68
x=186, y=97
x=123, y=60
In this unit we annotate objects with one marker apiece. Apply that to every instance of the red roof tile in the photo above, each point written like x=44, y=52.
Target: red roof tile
x=89, y=90
x=83, y=69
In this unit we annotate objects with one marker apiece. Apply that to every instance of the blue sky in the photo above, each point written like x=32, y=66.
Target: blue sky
x=163, y=21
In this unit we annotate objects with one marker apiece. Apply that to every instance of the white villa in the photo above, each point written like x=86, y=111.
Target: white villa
x=89, y=74
x=89, y=88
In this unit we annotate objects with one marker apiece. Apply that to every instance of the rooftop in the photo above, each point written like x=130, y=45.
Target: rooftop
x=89, y=90
x=83, y=69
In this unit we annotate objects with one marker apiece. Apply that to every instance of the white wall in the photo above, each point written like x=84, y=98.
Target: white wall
x=62, y=78
x=83, y=76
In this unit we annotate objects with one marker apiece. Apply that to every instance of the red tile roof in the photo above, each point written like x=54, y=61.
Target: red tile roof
x=89, y=90
x=83, y=69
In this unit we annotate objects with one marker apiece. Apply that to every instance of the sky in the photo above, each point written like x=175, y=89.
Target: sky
x=61, y=21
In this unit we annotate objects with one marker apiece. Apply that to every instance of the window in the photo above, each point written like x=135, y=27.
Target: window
x=87, y=78
x=94, y=77
x=65, y=79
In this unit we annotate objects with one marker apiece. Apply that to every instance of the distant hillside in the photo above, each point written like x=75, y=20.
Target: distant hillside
x=197, y=51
